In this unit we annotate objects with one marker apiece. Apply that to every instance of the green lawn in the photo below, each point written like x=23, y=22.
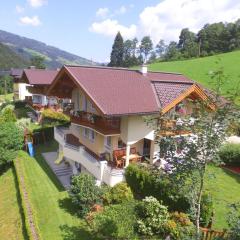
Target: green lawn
x=8, y=97
x=54, y=212
x=198, y=69
x=11, y=224
x=225, y=187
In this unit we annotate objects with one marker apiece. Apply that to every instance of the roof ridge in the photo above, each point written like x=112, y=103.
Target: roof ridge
x=176, y=73
x=101, y=67
x=119, y=68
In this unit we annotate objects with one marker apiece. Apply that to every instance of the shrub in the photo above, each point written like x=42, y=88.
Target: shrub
x=118, y=194
x=24, y=123
x=116, y=221
x=7, y=115
x=206, y=209
x=143, y=183
x=152, y=217
x=84, y=192
x=230, y=154
x=53, y=115
x=11, y=140
x=20, y=104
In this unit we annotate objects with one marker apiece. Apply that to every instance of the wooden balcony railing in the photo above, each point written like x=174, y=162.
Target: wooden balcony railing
x=105, y=126
x=169, y=128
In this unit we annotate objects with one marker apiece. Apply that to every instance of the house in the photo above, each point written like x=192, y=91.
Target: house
x=108, y=117
x=19, y=88
x=37, y=81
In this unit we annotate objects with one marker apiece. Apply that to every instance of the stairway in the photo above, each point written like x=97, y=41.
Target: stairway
x=32, y=116
x=63, y=172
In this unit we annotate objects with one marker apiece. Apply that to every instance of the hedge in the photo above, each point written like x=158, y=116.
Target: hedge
x=28, y=211
x=230, y=154
x=143, y=184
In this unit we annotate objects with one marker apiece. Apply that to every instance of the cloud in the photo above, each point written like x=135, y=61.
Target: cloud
x=110, y=28
x=166, y=19
x=32, y=21
x=37, y=3
x=121, y=10
x=19, y=9
x=102, y=12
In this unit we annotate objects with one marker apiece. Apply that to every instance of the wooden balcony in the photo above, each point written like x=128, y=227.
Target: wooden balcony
x=105, y=126
x=169, y=128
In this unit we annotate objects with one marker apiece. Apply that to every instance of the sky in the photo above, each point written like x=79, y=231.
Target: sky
x=88, y=28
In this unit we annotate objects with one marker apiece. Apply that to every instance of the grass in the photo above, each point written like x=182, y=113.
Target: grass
x=8, y=97
x=54, y=212
x=198, y=69
x=224, y=186
x=11, y=224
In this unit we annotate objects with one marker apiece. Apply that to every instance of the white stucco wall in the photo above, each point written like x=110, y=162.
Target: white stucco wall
x=134, y=128
x=23, y=92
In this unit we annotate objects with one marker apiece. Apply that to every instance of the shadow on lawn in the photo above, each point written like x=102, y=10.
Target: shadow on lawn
x=48, y=147
x=233, y=175
x=77, y=232
x=67, y=205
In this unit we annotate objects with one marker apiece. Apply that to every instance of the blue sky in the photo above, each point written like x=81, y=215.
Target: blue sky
x=87, y=28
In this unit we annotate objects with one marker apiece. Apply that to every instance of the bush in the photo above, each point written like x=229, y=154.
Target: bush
x=143, y=183
x=7, y=115
x=20, y=104
x=206, y=209
x=84, y=192
x=230, y=154
x=116, y=221
x=152, y=216
x=24, y=123
x=11, y=140
x=53, y=115
x=118, y=194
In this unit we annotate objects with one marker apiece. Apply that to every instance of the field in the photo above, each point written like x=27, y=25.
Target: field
x=199, y=69
x=11, y=218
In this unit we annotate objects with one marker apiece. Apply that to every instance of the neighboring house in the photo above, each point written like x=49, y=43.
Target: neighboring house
x=20, y=91
x=37, y=82
x=108, y=128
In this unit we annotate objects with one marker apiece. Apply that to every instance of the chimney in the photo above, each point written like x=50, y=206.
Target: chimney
x=144, y=69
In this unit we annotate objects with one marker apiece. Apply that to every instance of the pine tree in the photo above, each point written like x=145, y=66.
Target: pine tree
x=117, y=52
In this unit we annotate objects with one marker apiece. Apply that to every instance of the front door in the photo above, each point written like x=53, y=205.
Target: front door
x=146, y=147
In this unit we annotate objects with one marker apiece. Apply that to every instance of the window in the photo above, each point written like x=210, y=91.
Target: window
x=91, y=107
x=86, y=132
x=37, y=99
x=85, y=103
x=78, y=101
x=108, y=142
x=91, y=135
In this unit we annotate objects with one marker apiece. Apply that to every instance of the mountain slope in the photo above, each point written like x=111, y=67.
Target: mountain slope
x=26, y=48
x=198, y=69
x=9, y=59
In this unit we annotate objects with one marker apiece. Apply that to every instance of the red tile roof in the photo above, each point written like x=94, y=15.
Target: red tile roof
x=118, y=91
x=39, y=76
x=168, y=91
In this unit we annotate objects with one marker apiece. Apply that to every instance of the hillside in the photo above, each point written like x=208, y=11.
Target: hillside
x=26, y=48
x=198, y=69
x=9, y=59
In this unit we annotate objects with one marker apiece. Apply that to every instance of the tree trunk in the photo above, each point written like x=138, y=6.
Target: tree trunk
x=198, y=204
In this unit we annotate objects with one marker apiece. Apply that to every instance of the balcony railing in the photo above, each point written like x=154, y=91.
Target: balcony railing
x=105, y=126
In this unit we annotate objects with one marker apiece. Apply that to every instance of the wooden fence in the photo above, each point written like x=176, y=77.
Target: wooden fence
x=209, y=234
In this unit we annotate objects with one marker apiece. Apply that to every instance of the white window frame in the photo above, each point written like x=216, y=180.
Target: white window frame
x=91, y=135
x=107, y=143
x=86, y=132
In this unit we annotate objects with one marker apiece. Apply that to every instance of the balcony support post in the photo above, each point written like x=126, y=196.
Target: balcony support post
x=127, y=154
